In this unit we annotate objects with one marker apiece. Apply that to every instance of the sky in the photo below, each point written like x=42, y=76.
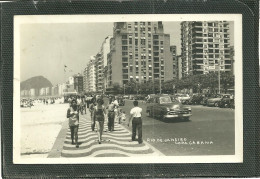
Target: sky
x=46, y=48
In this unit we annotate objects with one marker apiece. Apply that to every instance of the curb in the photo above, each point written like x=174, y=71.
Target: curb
x=58, y=144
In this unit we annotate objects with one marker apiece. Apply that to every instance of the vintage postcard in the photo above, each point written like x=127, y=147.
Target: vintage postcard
x=164, y=88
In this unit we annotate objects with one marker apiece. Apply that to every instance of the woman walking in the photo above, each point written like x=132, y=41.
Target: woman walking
x=111, y=115
x=91, y=109
x=99, y=116
x=73, y=115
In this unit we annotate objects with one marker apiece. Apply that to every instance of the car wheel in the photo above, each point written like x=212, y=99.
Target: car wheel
x=216, y=104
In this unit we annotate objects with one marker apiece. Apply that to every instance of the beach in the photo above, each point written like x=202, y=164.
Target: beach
x=40, y=126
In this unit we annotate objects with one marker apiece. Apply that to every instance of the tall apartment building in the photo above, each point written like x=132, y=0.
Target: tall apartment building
x=173, y=51
x=139, y=51
x=78, y=83
x=179, y=64
x=101, y=63
x=205, y=47
x=89, y=76
x=232, y=58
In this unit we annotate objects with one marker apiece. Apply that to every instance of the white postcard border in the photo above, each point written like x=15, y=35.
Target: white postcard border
x=30, y=19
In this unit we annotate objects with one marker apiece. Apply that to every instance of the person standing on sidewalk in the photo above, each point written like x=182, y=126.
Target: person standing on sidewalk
x=136, y=118
x=73, y=115
x=91, y=109
x=99, y=115
x=111, y=115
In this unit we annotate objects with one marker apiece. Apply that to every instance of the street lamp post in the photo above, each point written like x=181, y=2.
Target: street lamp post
x=124, y=89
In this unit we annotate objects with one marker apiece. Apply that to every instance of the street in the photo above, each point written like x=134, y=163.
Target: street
x=210, y=131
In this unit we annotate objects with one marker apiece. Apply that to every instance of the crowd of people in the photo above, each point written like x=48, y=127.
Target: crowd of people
x=29, y=102
x=102, y=115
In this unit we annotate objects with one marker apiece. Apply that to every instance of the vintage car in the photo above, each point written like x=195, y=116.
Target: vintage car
x=164, y=108
x=196, y=99
x=184, y=98
x=226, y=102
x=216, y=100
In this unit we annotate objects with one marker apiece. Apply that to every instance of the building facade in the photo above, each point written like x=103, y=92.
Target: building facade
x=179, y=64
x=173, y=51
x=139, y=51
x=232, y=58
x=205, y=47
x=78, y=83
x=42, y=91
x=89, y=76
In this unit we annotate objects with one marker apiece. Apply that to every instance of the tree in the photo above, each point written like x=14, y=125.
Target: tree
x=117, y=89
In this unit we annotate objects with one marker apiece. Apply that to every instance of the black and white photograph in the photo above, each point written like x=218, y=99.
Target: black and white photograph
x=128, y=89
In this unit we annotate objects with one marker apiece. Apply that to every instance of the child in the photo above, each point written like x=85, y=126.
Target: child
x=123, y=116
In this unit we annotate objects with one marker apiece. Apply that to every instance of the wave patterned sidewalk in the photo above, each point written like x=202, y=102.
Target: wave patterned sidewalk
x=114, y=144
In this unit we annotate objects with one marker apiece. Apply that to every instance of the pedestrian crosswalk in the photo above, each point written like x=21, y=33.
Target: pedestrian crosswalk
x=115, y=144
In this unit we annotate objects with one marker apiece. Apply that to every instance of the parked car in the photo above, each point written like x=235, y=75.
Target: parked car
x=195, y=99
x=216, y=100
x=131, y=97
x=184, y=98
x=163, y=107
x=226, y=102
x=126, y=97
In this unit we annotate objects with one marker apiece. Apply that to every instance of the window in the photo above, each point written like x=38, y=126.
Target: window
x=149, y=23
x=210, y=40
x=124, y=48
x=124, y=42
x=125, y=59
x=142, y=41
x=161, y=42
x=124, y=36
x=130, y=41
x=136, y=41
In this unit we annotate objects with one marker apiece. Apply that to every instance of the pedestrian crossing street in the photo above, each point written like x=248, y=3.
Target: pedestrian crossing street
x=115, y=144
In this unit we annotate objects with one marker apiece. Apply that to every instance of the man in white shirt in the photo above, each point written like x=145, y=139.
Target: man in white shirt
x=135, y=117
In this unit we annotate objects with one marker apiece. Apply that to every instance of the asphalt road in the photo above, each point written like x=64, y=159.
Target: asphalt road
x=210, y=131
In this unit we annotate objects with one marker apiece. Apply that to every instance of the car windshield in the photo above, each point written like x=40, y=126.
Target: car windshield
x=164, y=100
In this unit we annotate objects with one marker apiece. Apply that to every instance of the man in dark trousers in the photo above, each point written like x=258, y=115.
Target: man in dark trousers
x=136, y=118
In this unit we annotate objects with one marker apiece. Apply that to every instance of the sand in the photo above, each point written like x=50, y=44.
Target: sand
x=40, y=126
